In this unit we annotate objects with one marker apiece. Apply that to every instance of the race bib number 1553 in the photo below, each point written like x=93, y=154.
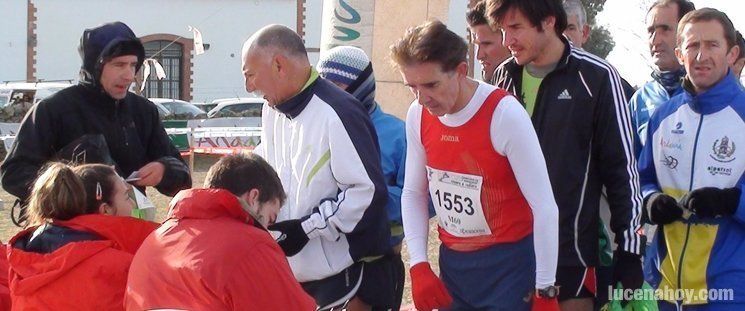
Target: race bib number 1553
x=457, y=200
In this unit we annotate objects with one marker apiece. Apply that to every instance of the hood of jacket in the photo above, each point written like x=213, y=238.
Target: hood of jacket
x=208, y=204
x=34, y=270
x=100, y=44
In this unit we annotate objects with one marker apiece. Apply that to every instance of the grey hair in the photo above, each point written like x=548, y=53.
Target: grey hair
x=279, y=37
x=575, y=7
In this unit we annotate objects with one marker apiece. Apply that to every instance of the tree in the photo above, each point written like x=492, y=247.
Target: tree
x=600, y=42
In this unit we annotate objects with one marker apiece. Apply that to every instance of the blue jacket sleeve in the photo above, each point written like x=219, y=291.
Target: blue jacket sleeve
x=647, y=172
x=634, y=110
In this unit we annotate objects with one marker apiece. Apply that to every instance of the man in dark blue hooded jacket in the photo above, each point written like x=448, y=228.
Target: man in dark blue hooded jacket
x=98, y=121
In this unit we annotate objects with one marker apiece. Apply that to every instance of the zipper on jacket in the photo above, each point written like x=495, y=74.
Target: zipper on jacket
x=695, y=146
x=690, y=188
x=117, y=104
x=126, y=139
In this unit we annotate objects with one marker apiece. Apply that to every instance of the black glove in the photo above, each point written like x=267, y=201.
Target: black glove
x=662, y=209
x=293, y=237
x=627, y=269
x=710, y=202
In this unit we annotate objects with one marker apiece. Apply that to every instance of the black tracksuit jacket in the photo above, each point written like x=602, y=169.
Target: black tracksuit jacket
x=583, y=125
x=131, y=127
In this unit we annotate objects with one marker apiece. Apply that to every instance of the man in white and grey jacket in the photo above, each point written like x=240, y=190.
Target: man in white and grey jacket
x=323, y=146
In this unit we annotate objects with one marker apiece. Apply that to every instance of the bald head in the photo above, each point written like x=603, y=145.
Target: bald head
x=275, y=64
x=278, y=39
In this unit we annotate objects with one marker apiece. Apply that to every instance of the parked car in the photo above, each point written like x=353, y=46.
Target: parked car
x=239, y=107
x=227, y=99
x=176, y=109
x=16, y=98
x=206, y=107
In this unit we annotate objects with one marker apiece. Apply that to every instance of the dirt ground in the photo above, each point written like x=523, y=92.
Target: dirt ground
x=201, y=165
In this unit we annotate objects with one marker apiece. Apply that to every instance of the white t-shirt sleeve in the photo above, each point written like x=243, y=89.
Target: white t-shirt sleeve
x=514, y=137
x=415, y=194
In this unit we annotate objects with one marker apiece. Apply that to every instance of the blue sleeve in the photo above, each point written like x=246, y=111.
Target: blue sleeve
x=740, y=212
x=647, y=172
x=392, y=140
x=633, y=109
x=394, y=194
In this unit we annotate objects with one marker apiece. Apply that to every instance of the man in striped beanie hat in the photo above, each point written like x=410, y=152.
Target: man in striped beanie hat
x=349, y=68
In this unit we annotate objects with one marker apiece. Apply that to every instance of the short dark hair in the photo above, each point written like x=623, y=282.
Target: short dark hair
x=477, y=14
x=430, y=42
x=282, y=38
x=684, y=6
x=709, y=14
x=241, y=173
x=95, y=177
x=535, y=10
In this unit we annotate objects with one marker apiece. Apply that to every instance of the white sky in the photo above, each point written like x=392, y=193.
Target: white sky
x=625, y=20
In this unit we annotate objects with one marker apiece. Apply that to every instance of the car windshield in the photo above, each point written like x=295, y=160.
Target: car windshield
x=177, y=107
x=15, y=105
x=181, y=110
x=206, y=107
x=239, y=110
x=163, y=111
x=22, y=96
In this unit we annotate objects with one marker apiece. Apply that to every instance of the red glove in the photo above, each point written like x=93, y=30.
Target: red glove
x=545, y=304
x=427, y=289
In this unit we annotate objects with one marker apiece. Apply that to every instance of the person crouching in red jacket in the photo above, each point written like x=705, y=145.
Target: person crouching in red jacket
x=76, y=254
x=213, y=252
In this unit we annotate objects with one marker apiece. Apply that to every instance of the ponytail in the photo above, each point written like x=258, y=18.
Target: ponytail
x=57, y=194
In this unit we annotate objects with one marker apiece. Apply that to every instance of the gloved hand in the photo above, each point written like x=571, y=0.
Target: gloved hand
x=710, y=202
x=662, y=209
x=293, y=237
x=627, y=269
x=545, y=304
x=427, y=289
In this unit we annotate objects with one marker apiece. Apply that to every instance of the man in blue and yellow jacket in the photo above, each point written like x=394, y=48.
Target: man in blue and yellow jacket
x=692, y=171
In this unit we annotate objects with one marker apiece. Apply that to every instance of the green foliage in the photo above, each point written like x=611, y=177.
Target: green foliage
x=600, y=42
x=592, y=8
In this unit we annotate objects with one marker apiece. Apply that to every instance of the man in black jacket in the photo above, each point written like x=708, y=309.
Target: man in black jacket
x=99, y=111
x=579, y=109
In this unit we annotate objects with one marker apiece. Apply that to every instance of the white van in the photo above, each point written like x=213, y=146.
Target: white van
x=16, y=98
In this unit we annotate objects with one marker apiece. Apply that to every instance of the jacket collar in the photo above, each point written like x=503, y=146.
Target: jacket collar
x=208, y=204
x=669, y=80
x=98, y=98
x=126, y=232
x=714, y=99
x=295, y=105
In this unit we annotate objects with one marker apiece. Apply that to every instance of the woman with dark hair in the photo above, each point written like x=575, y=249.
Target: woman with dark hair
x=75, y=254
x=107, y=193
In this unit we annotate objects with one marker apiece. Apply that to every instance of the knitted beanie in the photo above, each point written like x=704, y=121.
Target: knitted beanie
x=351, y=66
x=342, y=64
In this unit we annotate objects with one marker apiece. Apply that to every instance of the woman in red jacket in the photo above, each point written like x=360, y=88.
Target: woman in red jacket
x=75, y=255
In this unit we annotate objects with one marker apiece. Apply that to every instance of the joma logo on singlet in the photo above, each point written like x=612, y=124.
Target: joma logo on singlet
x=450, y=138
